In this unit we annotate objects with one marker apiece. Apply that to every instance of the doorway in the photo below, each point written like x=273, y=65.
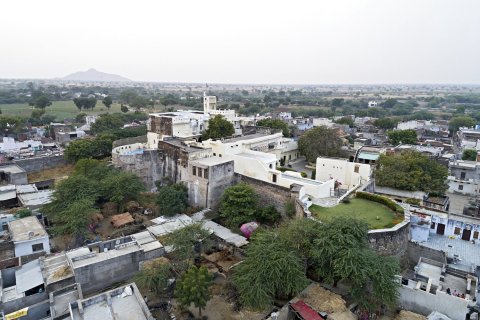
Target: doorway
x=441, y=229
x=466, y=234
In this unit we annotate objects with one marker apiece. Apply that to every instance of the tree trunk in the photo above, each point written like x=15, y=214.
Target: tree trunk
x=200, y=312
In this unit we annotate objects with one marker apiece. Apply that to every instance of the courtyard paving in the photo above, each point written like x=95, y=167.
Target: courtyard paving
x=467, y=251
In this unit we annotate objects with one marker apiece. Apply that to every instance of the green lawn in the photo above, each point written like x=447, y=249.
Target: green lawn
x=360, y=209
x=60, y=109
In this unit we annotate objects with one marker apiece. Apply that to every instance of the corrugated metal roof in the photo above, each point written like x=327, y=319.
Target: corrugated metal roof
x=305, y=311
x=225, y=234
x=29, y=276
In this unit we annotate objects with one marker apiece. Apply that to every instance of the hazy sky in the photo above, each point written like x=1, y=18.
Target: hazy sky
x=317, y=42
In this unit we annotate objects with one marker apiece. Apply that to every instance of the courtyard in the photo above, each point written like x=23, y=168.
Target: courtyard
x=375, y=214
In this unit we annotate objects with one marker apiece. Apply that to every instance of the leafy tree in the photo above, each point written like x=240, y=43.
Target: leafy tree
x=106, y=122
x=10, y=124
x=124, y=108
x=238, y=204
x=85, y=103
x=187, y=243
x=421, y=115
x=389, y=103
x=469, y=154
x=74, y=218
x=345, y=120
x=385, y=123
x=89, y=148
x=337, y=102
x=42, y=102
x=193, y=287
x=80, y=118
x=320, y=141
x=461, y=121
x=127, y=96
x=22, y=213
x=395, y=137
x=139, y=102
x=218, y=127
x=122, y=187
x=268, y=214
x=154, y=276
x=275, y=124
x=412, y=171
x=172, y=199
x=270, y=269
x=107, y=101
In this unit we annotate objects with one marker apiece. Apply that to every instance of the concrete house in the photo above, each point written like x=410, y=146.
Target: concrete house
x=28, y=236
x=464, y=177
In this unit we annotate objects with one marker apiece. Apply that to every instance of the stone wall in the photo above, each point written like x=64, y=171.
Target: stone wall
x=270, y=193
x=131, y=140
x=415, y=251
x=392, y=241
x=36, y=164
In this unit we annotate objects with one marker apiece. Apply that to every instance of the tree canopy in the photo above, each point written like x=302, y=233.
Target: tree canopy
x=395, y=137
x=385, y=123
x=469, y=154
x=410, y=170
x=193, y=287
x=238, y=204
x=85, y=102
x=270, y=270
x=320, y=141
x=172, y=199
x=107, y=102
x=275, y=124
x=218, y=127
x=461, y=121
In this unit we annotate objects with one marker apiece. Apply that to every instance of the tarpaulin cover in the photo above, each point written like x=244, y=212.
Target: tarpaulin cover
x=305, y=311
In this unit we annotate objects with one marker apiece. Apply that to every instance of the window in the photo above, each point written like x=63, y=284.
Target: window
x=274, y=178
x=200, y=172
x=270, y=166
x=356, y=169
x=37, y=247
x=205, y=173
x=457, y=230
x=220, y=155
x=460, y=187
x=214, y=154
x=462, y=175
x=194, y=171
x=432, y=226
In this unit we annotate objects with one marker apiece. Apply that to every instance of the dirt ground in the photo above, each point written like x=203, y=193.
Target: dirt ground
x=59, y=173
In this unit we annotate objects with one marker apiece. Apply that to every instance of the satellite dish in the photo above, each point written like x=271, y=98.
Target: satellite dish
x=30, y=234
x=117, y=242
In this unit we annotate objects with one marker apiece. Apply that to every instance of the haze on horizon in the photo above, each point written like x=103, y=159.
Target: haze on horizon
x=294, y=42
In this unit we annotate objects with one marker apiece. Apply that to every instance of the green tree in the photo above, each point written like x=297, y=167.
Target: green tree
x=461, y=121
x=187, y=243
x=10, y=124
x=22, y=213
x=107, y=122
x=270, y=270
x=172, y=199
x=107, y=101
x=469, y=154
x=238, y=204
x=154, y=276
x=389, y=103
x=121, y=187
x=124, y=108
x=89, y=148
x=193, y=287
x=275, y=124
x=320, y=141
x=412, y=171
x=218, y=127
x=42, y=102
x=385, y=123
x=139, y=102
x=337, y=102
x=345, y=120
x=395, y=137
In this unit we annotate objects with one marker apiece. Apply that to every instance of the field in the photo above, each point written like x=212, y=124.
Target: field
x=60, y=109
x=360, y=209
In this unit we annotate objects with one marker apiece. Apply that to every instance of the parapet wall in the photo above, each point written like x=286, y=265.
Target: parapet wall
x=131, y=140
x=392, y=241
x=36, y=164
x=270, y=193
x=415, y=251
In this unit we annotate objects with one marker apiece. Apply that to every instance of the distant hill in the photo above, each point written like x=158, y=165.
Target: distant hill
x=95, y=75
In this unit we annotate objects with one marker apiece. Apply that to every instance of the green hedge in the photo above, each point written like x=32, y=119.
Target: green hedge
x=283, y=169
x=380, y=199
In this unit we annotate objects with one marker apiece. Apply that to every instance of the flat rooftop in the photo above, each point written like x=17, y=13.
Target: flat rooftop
x=246, y=137
x=83, y=256
x=36, y=198
x=26, y=229
x=210, y=161
x=112, y=306
x=11, y=168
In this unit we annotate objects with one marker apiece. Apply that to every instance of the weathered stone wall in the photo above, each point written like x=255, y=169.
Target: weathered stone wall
x=415, y=251
x=131, y=140
x=390, y=242
x=269, y=193
x=40, y=163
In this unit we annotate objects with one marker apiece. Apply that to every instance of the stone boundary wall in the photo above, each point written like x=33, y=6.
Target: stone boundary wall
x=392, y=241
x=269, y=193
x=415, y=251
x=131, y=140
x=37, y=164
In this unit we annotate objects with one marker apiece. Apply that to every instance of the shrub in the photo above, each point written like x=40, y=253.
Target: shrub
x=290, y=208
x=413, y=201
x=380, y=199
x=304, y=174
x=283, y=169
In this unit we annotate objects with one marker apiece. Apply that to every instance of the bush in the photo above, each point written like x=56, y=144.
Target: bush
x=380, y=199
x=290, y=208
x=283, y=169
x=413, y=201
x=304, y=174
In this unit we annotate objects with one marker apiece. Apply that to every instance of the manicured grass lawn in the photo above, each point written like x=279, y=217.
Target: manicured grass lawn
x=60, y=109
x=360, y=209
